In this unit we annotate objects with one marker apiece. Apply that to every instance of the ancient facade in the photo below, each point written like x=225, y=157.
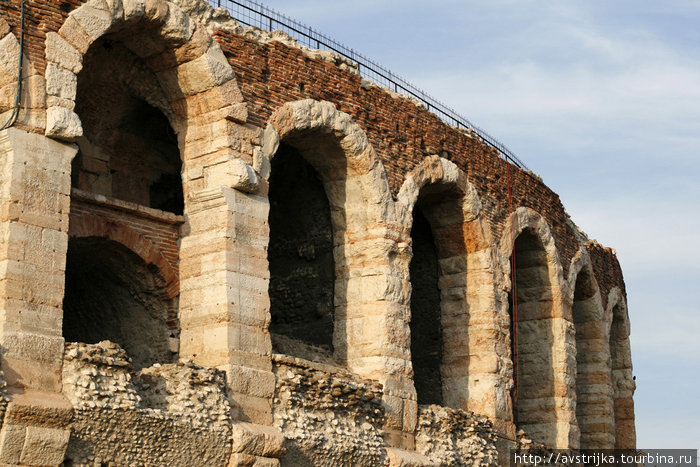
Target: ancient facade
x=221, y=248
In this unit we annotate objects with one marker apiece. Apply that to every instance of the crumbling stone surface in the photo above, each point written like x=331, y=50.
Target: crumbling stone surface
x=455, y=437
x=298, y=348
x=4, y=400
x=327, y=416
x=219, y=18
x=173, y=414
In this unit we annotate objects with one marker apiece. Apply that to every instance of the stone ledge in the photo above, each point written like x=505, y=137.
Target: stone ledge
x=127, y=206
x=303, y=363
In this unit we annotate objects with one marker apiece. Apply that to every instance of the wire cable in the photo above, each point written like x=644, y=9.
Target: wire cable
x=15, y=110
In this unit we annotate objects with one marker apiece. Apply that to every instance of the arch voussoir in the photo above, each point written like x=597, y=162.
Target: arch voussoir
x=185, y=59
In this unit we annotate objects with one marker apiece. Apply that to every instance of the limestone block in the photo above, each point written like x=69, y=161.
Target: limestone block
x=234, y=174
x=60, y=82
x=44, y=446
x=33, y=93
x=61, y=52
x=410, y=415
x=54, y=101
x=241, y=460
x=257, y=440
x=4, y=27
x=254, y=206
x=199, y=75
x=393, y=407
x=156, y=11
x=261, y=164
x=199, y=43
x=236, y=112
x=116, y=9
x=33, y=97
x=74, y=34
x=270, y=141
x=33, y=347
x=63, y=124
x=177, y=28
x=402, y=458
x=133, y=9
x=245, y=460
x=9, y=56
x=94, y=17
x=11, y=443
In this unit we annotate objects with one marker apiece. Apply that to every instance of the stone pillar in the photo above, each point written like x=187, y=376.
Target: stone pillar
x=623, y=384
x=372, y=336
x=224, y=305
x=34, y=208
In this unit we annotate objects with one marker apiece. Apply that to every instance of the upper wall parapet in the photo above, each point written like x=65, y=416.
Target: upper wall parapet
x=220, y=19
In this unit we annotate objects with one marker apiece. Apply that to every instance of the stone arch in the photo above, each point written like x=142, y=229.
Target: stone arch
x=119, y=287
x=623, y=385
x=466, y=318
x=188, y=63
x=358, y=195
x=92, y=226
x=543, y=393
x=203, y=104
x=594, y=411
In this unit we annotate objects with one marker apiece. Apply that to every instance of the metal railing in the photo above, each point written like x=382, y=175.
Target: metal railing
x=252, y=13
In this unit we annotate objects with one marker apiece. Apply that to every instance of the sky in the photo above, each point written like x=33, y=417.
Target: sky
x=602, y=100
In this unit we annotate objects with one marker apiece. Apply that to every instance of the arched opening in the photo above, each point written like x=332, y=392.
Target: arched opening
x=593, y=401
x=439, y=324
x=112, y=294
x=534, y=405
x=622, y=379
x=300, y=255
x=426, y=324
x=129, y=150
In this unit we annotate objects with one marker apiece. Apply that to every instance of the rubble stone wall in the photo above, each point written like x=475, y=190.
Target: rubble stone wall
x=173, y=414
x=330, y=417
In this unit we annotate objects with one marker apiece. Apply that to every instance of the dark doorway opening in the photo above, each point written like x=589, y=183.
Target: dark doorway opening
x=300, y=254
x=425, y=325
x=112, y=294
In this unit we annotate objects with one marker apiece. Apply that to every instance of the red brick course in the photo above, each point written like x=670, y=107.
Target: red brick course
x=155, y=240
x=401, y=132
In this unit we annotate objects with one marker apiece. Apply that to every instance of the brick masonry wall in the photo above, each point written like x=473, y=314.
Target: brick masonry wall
x=606, y=269
x=162, y=233
x=401, y=132
x=40, y=17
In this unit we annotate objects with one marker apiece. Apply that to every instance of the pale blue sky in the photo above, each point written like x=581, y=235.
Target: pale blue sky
x=600, y=98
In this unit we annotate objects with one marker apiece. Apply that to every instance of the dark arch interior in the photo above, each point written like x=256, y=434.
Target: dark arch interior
x=129, y=151
x=425, y=325
x=111, y=294
x=532, y=336
x=300, y=253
